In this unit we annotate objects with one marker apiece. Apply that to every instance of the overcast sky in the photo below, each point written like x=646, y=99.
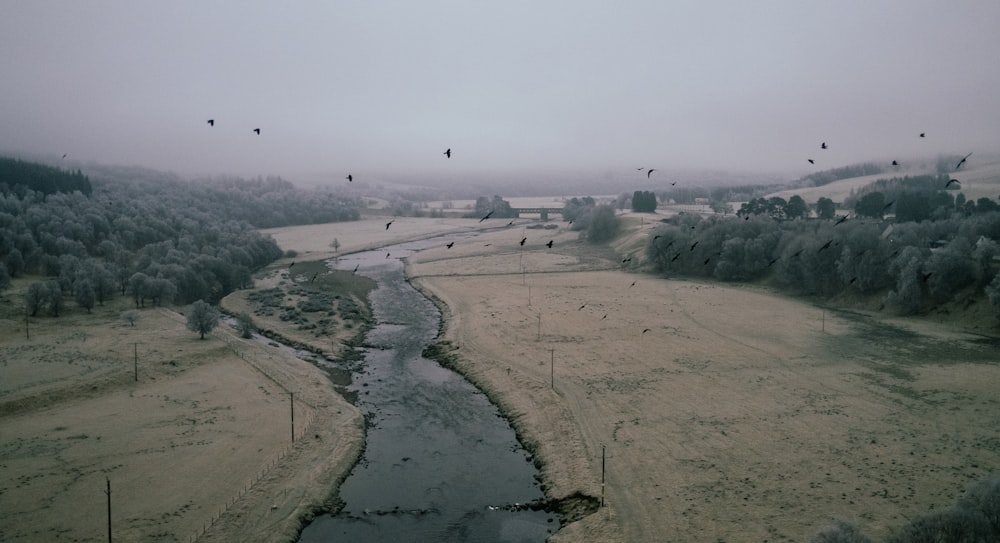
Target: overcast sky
x=382, y=88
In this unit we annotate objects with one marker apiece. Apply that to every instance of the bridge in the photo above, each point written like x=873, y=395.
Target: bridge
x=543, y=211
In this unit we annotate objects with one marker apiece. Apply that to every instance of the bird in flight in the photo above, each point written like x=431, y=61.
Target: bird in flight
x=840, y=220
x=581, y=307
x=257, y=131
x=960, y=162
x=211, y=122
x=549, y=244
x=950, y=181
x=646, y=330
x=447, y=152
x=389, y=224
x=923, y=135
x=823, y=145
x=450, y=245
x=887, y=206
x=676, y=256
x=811, y=161
x=693, y=245
x=825, y=246
x=350, y=178
x=356, y=268
x=650, y=172
x=64, y=155
x=292, y=264
x=894, y=163
x=633, y=284
x=487, y=215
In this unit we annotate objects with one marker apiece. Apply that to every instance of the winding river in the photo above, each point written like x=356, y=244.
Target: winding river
x=440, y=463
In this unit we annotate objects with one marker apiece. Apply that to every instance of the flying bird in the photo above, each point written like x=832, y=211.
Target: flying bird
x=693, y=245
x=650, y=172
x=549, y=244
x=840, y=220
x=811, y=161
x=887, y=206
x=633, y=284
x=960, y=162
x=604, y=317
x=825, y=246
x=449, y=245
x=356, y=268
x=581, y=307
x=387, y=255
x=211, y=122
x=706, y=261
x=922, y=135
x=511, y=223
x=487, y=215
x=292, y=264
x=823, y=145
x=447, y=153
x=523, y=240
x=676, y=256
x=389, y=223
x=64, y=155
x=894, y=163
x=257, y=130
x=350, y=178
x=950, y=181
x=646, y=330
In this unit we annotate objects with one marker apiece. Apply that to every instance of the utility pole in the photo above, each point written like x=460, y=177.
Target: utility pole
x=291, y=401
x=108, y=492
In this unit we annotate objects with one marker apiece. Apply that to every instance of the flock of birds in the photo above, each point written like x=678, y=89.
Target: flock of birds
x=649, y=172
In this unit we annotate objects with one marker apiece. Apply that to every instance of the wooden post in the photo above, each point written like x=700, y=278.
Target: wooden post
x=108, y=492
x=602, y=474
x=552, y=368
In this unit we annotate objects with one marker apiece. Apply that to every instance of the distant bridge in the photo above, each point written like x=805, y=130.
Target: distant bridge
x=543, y=211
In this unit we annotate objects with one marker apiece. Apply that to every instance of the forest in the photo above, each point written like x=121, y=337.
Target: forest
x=914, y=247
x=142, y=233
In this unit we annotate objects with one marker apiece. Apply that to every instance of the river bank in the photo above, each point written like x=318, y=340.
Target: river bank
x=723, y=413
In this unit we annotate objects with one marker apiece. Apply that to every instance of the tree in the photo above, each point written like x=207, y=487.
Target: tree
x=871, y=205
x=54, y=297
x=34, y=298
x=245, y=325
x=825, y=208
x=603, y=224
x=796, y=207
x=202, y=318
x=131, y=316
x=643, y=201
x=83, y=293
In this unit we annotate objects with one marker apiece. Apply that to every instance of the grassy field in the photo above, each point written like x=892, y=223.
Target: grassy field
x=194, y=436
x=724, y=413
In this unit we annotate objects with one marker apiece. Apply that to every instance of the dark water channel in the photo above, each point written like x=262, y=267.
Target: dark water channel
x=440, y=463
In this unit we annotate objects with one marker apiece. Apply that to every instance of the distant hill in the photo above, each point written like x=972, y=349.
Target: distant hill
x=979, y=177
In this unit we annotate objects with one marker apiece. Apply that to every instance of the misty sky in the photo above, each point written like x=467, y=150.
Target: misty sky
x=380, y=89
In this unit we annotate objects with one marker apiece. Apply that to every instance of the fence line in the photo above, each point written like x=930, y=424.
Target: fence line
x=251, y=358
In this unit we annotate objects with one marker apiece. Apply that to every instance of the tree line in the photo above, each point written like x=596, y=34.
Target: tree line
x=148, y=235
x=912, y=265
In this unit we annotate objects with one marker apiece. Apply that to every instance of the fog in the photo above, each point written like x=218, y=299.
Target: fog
x=516, y=89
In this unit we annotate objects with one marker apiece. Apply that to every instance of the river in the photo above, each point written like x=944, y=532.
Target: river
x=440, y=463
